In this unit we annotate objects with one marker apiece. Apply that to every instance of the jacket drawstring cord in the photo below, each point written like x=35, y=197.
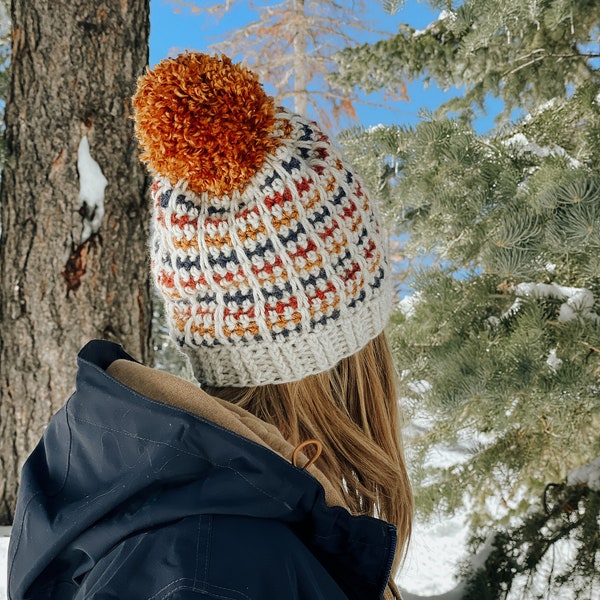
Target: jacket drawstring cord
x=311, y=461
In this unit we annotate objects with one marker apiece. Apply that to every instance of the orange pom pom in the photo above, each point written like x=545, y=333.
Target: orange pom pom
x=205, y=120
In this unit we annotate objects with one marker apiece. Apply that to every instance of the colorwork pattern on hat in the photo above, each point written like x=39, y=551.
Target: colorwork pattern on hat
x=279, y=278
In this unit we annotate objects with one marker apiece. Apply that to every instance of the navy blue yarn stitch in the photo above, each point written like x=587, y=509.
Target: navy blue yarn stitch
x=334, y=316
x=182, y=342
x=238, y=297
x=362, y=236
x=294, y=163
x=360, y=242
x=222, y=260
x=260, y=250
x=181, y=200
x=346, y=256
x=308, y=132
x=377, y=280
x=342, y=260
x=216, y=210
x=277, y=292
x=293, y=235
x=337, y=199
x=354, y=301
x=269, y=181
x=286, y=332
x=164, y=198
x=187, y=264
x=313, y=280
x=245, y=340
x=349, y=177
x=319, y=217
x=375, y=285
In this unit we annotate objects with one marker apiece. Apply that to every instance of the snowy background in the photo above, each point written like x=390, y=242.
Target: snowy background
x=436, y=547
x=3, y=550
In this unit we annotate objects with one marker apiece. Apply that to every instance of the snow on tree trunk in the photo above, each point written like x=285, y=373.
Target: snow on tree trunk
x=73, y=259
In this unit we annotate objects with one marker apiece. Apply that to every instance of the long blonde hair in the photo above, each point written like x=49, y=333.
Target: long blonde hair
x=352, y=410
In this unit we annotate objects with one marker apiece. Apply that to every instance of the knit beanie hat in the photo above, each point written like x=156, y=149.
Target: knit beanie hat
x=266, y=249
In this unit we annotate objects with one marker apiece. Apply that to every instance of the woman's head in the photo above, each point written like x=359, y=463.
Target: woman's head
x=271, y=261
x=266, y=248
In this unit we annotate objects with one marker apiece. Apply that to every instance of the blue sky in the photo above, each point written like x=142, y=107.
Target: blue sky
x=173, y=31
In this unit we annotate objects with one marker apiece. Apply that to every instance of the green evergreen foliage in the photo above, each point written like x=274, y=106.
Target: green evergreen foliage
x=523, y=51
x=499, y=347
x=570, y=513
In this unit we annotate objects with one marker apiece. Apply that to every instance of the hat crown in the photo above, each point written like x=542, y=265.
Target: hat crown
x=204, y=120
x=277, y=275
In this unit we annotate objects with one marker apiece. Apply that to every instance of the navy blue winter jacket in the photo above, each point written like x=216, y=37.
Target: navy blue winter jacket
x=130, y=498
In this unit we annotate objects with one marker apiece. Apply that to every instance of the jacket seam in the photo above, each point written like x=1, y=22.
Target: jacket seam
x=200, y=591
x=181, y=451
x=34, y=496
x=198, y=530
x=208, y=542
x=301, y=471
x=196, y=588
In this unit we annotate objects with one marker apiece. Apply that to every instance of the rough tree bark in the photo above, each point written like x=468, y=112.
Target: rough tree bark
x=68, y=272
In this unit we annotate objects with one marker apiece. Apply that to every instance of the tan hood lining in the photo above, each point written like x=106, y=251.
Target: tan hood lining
x=174, y=391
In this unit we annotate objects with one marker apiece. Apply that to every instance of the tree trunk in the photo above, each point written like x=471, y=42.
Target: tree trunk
x=73, y=257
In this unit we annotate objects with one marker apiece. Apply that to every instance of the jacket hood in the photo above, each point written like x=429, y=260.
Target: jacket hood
x=113, y=462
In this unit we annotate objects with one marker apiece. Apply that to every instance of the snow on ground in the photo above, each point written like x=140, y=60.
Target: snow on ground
x=588, y=475
x=3, y=551
x=434, y=552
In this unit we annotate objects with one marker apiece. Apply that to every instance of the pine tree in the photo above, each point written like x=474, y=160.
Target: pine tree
x=499, y=346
